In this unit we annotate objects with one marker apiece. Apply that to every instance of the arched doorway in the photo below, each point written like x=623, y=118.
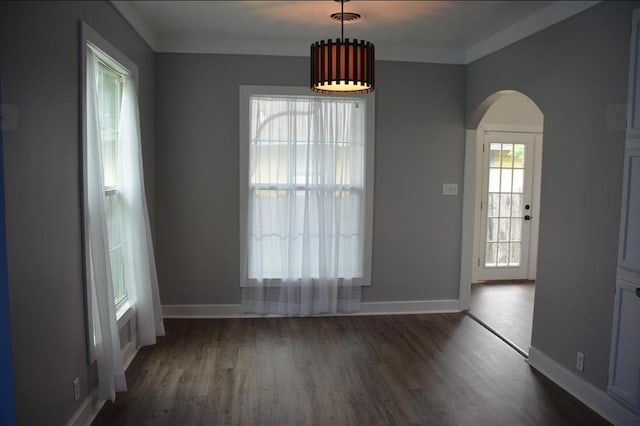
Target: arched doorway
x=501, y=207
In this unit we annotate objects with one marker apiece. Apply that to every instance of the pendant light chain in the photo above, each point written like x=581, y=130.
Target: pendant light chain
x=342, y=19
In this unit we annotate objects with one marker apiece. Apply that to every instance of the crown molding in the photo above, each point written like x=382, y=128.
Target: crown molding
x=301, y=49
x=131, y=15
x=532, y=24
x=175, y=44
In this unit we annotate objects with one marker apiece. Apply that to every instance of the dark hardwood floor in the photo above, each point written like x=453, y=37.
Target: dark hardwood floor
x=507, y=308
x=441, y=369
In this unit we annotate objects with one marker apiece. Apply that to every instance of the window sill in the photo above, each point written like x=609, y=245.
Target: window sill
x=123, y=314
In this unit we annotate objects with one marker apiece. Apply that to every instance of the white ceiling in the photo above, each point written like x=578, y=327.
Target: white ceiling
x=421, y=31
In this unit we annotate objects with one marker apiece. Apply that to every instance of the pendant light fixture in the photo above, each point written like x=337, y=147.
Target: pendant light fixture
x=342, y=66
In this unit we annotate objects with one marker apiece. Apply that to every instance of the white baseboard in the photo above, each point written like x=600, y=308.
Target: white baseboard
x=91, y=406
x=409, y=307
x=366, y=308
x=584, y=391
x=87, y=412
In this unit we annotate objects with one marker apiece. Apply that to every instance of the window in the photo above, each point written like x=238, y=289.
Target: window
x=306, y=186
x=109, y=93
x=120, y=274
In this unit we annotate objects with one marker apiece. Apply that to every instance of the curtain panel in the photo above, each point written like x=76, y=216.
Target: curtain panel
x=134, y=232
x=306, y=206
x=141, y=275
x=106, y=339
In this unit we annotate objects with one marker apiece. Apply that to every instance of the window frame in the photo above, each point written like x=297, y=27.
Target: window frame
x=123, y=65
x=245, y=93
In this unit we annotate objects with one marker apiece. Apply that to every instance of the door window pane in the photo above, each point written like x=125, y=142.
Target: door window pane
x=507, y=156
x=494, y=180
x=518, y=181
x=495, y=155
x=493, y=205
x=504, y=231
x=492, y=230
x=505, y=205
x=516, y=230
x=505, y=181
x=490, y=255
x=503, y=254
x=518, y=156
x=514, y=254
x=516, y=205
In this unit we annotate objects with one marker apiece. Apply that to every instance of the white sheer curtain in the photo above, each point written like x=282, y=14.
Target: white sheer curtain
x=140, y=269
x=106, y=339
x=306, y=205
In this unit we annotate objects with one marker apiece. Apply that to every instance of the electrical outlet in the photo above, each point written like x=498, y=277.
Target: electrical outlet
x=76, y=388
x=449, y=189
x=580, y=361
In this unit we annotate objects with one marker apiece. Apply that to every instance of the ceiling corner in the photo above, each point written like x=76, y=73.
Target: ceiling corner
x=545, y=18
x=131, y=15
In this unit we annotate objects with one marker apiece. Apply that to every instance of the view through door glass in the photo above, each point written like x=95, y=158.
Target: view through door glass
x=505, y=205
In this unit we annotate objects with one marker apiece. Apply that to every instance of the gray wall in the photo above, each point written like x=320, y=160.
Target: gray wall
x=419, y=145
x=573, y=71
x=40, y=76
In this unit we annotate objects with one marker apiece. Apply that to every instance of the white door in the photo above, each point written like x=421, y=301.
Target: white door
x=506, y=205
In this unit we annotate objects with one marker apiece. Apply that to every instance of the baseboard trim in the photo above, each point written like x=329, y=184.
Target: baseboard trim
x=366, y=308
x=91, y=406
x=594, y=398
x=87, y=412
x=410, y=307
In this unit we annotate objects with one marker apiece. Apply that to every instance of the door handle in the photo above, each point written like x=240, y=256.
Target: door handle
x=527, y=217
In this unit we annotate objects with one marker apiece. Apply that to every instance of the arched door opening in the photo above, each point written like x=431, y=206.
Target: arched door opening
x=501, y=207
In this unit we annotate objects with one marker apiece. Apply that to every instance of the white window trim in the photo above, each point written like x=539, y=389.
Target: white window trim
x=246, y=92
x=108, y=53
x=124, y=313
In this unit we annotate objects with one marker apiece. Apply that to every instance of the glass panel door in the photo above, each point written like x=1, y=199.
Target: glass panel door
x=507, y=177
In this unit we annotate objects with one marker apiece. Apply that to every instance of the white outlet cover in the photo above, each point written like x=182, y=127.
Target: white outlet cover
x=449, y=189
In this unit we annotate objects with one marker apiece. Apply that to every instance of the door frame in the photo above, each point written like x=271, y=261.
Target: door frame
x=472, y=194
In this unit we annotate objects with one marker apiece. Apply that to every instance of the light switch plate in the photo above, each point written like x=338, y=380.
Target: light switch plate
x=449, y=189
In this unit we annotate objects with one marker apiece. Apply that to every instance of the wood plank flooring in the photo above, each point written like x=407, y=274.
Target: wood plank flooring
x=442, y=369
x=507, y=308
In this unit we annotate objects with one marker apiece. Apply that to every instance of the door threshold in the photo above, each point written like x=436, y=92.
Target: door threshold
x=498, y=335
